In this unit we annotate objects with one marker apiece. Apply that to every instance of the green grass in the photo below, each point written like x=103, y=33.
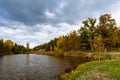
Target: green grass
x=103, y=70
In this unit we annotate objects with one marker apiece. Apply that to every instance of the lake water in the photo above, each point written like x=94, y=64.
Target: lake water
x=34, y=67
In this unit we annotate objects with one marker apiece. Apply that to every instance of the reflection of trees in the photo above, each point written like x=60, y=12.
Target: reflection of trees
x=27, y=67
x=8, y=69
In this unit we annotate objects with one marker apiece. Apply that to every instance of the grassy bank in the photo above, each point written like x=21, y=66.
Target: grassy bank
x=103, y=70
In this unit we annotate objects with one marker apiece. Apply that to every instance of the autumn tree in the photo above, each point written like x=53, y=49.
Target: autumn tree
x=73, y=41
x=8, y=45
x=60, y=45
x=107, y=29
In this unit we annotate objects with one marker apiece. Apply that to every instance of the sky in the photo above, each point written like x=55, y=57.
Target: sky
x=39, y=21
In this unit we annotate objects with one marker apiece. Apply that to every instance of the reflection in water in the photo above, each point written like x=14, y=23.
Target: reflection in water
x=33, y=66
x=27, y=68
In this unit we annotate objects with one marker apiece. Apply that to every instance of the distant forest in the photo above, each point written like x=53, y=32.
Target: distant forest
x=94, y=35
x=9, y=47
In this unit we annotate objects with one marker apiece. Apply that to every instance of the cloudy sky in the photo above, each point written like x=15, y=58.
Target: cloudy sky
x=39, y=21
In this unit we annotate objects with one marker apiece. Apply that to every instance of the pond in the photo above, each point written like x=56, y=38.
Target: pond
x=34, y=66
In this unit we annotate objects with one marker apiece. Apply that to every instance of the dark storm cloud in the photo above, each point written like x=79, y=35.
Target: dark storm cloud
x=33, y=11
x=26, y=11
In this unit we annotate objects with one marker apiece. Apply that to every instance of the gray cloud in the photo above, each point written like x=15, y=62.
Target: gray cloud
x=27, y=11
x=38, y=21
x=33, y=11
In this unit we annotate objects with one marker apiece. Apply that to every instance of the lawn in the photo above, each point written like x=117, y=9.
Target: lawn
x=103, y=70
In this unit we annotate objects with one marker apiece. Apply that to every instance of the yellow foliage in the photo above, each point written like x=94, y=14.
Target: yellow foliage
x=10, y=43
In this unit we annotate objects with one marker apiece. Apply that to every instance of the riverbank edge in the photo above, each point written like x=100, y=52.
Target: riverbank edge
x=85, y=55
x=87, y=67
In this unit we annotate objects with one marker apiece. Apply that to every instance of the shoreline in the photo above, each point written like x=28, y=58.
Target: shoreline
x=85, y=55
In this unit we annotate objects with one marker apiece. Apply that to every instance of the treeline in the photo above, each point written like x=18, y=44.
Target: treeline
x=93, y=35
x=9, y=47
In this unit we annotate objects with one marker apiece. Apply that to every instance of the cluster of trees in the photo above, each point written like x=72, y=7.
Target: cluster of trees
x=93, y=35
x=9, y=47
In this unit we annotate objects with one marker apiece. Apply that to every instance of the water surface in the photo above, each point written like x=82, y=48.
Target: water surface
x=34, y=67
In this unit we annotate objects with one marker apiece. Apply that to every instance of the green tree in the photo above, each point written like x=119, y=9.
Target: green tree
x=18, y=49
x=1, y=46
x=91, y=27
x=84, y=36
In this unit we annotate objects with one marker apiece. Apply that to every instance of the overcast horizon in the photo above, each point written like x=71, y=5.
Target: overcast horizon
x=39, y=21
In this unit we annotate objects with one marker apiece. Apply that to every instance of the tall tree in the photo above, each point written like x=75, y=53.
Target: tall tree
x=106, y=28
x=87, y=33
x=91, y=27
